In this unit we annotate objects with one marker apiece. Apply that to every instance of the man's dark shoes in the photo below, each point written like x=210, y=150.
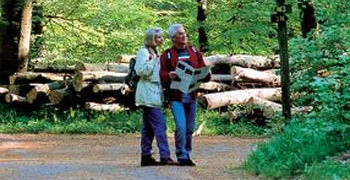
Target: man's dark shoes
x=167, y=161
x=186, y=162
x=148, y=161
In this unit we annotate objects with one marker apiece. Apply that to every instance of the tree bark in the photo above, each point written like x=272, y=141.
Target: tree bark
x=9, y=35
x=24, y=41
x=13, y=98
x=114, y=67
x=102, y=76
x=201, y=17
x=214, y=86
x=31, y=77
x=221, y=78
x=41, y=93
x=268, y=79
x=60, y=96
x=120, y=87
x=53, y=69
x=238, y=97
x=308, y=17
x=247, y=61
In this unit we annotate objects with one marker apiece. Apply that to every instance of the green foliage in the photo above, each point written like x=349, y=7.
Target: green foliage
x=328, y=170
x=300, y=145
x=320, y=70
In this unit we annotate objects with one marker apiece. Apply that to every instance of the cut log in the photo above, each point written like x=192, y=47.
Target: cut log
x=42, y=92
x=214, y=86
x=114, y=67
x=221, y=78
x=3, y=90
x=31, y=77
x=13, y=98
x=270, y=108
x=103, y=107
x=105, y=76
x=124, y=58
x=22, y=89
x=53, y=69
x=59, y=96
x=123, y=88
x=268, y=79
x=237, y=97
x=247, y=61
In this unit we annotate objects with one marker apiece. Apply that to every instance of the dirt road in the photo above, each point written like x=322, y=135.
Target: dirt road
x=115, y=157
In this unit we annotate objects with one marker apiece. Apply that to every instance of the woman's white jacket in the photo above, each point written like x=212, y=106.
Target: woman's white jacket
x=149, y=90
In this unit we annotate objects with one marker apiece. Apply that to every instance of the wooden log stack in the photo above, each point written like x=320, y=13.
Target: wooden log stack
x=246, y=80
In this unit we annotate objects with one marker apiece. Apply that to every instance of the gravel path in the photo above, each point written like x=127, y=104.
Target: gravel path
x=115, y=157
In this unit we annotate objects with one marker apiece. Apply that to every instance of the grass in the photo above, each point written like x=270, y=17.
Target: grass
x=300, y=145
x=78, y=120
x=328, y=170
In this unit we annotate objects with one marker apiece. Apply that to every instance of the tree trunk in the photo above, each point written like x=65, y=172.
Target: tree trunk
x=247, y=61
x=308, y=17
x=238, y=97
x=103, y=107
x=9, y=35
x=24, y=41
x=22, y=89
x=268, y=79
x=201, y=17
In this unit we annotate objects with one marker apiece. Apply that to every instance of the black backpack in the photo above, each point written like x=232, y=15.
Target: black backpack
x=132, y=78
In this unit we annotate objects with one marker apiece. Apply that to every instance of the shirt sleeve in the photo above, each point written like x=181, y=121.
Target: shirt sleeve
x=144, y=67
x=164, y=71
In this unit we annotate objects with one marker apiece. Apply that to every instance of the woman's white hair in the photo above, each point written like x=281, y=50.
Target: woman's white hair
x=149, y=35
x=173, y=29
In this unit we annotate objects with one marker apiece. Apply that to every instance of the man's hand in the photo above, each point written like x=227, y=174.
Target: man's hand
x=173, y=75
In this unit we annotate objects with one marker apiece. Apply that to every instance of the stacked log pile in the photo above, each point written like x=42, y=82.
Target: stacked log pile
x=236, y=80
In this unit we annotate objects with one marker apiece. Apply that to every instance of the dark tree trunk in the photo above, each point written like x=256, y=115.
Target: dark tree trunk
x=9, y=38
x=308, y=18
x=37, y=45
x=24, y=42
x=201, y=17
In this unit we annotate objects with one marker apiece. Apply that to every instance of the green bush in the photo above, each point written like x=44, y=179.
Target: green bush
x=327, y=170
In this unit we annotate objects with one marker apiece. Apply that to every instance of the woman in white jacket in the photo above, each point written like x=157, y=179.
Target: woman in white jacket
x=149, y=96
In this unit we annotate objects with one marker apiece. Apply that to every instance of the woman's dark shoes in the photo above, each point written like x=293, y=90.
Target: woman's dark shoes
x=149, y=161
x=186, y=162
x=167, y=161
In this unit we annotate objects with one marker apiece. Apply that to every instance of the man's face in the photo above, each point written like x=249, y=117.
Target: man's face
x=180, y=37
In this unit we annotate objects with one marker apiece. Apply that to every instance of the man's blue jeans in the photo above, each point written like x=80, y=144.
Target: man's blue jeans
x=154, y=125
x=185, y=114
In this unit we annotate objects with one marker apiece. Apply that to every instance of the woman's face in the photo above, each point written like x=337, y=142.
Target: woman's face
x=158, y=40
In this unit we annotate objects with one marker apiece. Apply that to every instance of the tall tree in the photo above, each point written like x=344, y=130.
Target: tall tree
x=201, y=17
x=9, y=31
x=24, y=41
x=15, y=36
x=308, y=16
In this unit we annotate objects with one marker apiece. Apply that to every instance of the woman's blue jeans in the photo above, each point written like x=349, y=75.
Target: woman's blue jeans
x=185, y=115
x=154, y=124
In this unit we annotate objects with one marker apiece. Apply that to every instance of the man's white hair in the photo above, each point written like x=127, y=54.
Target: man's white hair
x=173, y=29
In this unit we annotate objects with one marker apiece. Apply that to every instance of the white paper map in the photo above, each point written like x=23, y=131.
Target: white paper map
x=189, y=77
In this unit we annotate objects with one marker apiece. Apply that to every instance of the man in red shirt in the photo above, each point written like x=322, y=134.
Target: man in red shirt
x=183, y=106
